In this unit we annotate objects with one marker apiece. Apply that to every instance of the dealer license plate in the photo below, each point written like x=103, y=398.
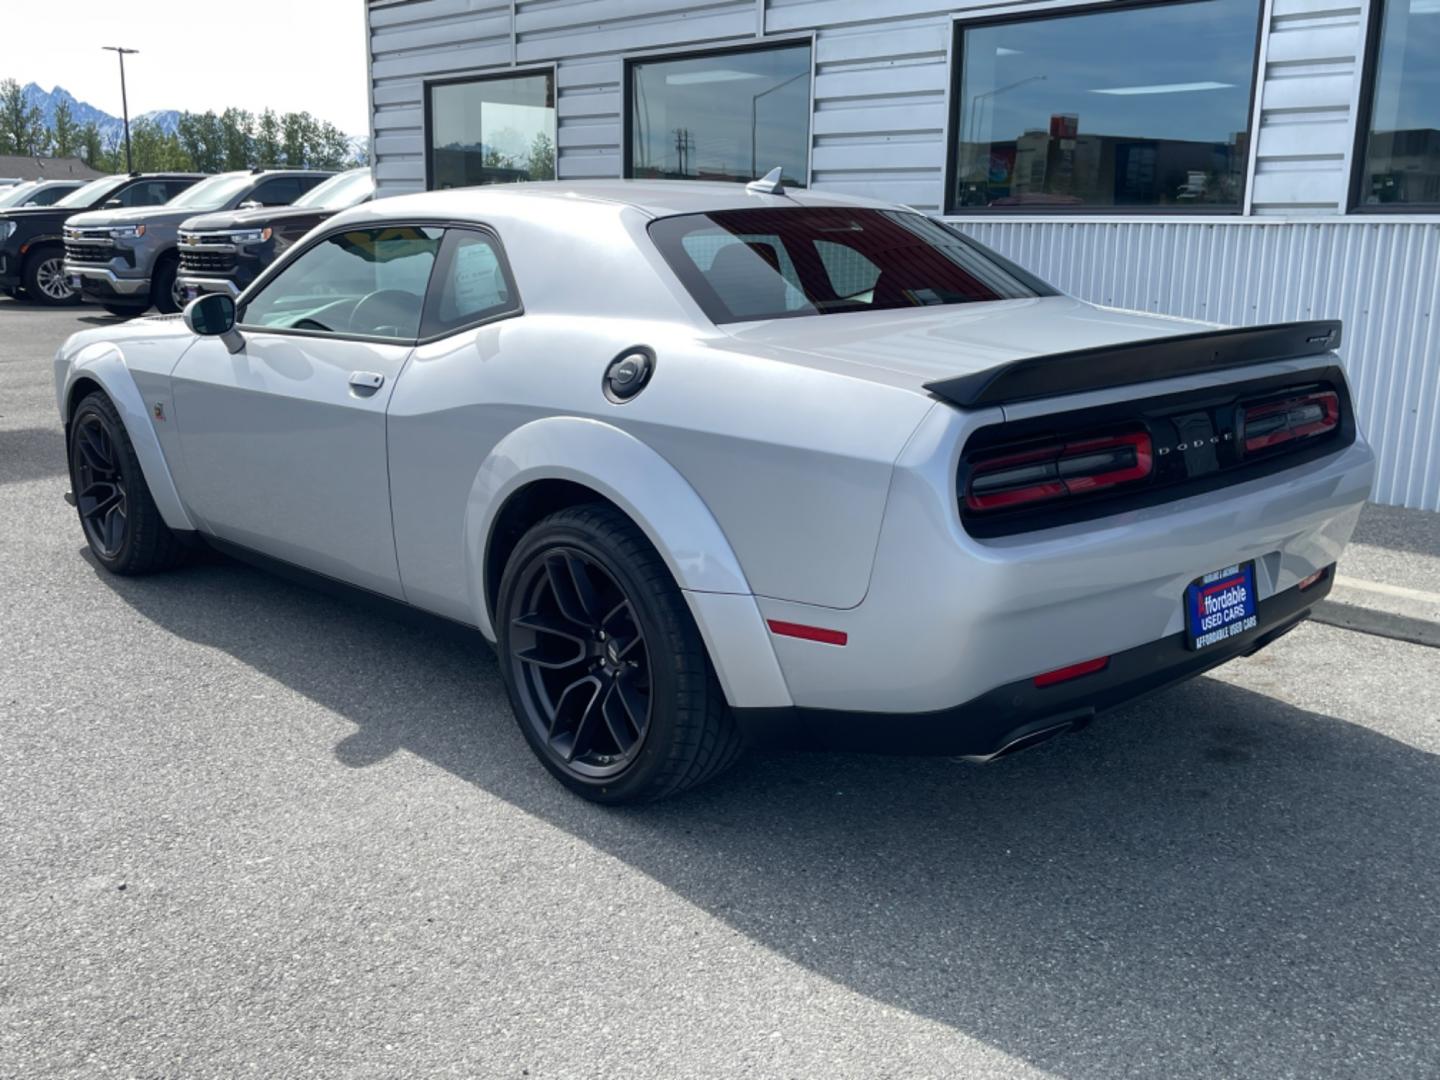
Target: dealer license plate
x=74, y=281
x=1220, y=605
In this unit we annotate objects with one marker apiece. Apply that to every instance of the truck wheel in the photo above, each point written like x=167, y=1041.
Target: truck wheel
x=605, y=668
x=122, y=524
x=44, y=276
x=165, y=291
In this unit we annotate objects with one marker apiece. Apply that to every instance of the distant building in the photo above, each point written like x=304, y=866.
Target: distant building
x=14, y=167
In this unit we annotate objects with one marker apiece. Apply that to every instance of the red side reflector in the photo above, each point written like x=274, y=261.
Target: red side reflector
x=808, y=633
x=1074, y=671
x=1315, y=578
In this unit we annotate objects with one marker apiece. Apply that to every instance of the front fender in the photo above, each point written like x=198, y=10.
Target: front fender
x=665, y=507
x=103, y=363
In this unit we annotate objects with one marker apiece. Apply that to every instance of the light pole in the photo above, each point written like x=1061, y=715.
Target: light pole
x=124, y=102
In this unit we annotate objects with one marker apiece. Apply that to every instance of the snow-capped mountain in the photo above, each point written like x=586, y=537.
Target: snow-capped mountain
x=82, y=112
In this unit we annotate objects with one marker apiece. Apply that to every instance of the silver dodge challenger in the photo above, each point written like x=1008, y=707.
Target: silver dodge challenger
x=718, y=465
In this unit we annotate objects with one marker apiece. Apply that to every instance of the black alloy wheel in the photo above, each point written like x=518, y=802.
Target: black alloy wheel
x=606, y=671
x=122, y=524
x=44, y=276
x=100, y=490
x=580, y=655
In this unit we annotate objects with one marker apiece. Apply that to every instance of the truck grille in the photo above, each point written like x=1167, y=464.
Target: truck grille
x=207, y=262
x=94, y=253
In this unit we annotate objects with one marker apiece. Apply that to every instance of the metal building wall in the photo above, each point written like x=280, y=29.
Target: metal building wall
x=882, y=75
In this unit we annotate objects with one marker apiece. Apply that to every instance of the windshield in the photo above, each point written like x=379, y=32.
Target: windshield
x=14, y=196
x=92, y=192
x=339, y=192
x=212, y=194
x=774, y=263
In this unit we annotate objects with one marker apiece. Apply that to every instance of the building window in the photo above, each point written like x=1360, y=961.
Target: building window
x=490, y=131
x=1137, y=108
x=721, y=116
x=1400, y=146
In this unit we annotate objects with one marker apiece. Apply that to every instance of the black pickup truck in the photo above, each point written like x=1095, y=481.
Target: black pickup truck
x=32, y=248
x=225, y=252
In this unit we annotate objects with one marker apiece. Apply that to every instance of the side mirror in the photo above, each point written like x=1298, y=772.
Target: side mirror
x=250, y=204
x=213, y=315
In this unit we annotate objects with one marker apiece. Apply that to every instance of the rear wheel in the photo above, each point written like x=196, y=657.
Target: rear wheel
x=44, y=276
x=122, y=525
x=606, y=670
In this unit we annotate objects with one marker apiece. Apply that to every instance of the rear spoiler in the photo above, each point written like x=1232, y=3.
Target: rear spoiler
x=1106, y=366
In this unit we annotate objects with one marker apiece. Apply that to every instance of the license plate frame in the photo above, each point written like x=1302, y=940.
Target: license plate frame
x=1220, y=606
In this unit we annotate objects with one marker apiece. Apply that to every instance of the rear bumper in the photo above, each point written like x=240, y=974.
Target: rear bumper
x=1019, y=713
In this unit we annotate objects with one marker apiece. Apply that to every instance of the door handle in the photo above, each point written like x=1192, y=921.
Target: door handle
x=367, y=381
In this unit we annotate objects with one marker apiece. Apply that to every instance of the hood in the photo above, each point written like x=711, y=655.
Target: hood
x=254, y=218
x=36, y=211
x=131, y=215
x=909, y=347
x=144, y=328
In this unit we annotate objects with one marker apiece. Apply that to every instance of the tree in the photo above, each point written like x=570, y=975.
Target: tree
x=154, y=150
x=112, y=158
x=542, y=158
x=64, y=132
x=295, y=129
x=202, y=138
x=237, y=133
x=22, y=128
x=267, y=140
x=331, y=147
x=91, y=150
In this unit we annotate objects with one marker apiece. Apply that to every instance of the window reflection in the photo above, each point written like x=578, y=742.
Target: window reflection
x=1402, y=149
x=731, y=116
x=492, y=131
x=1134, y=107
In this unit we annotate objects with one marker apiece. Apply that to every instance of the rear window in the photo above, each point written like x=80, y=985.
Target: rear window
x=772, y=263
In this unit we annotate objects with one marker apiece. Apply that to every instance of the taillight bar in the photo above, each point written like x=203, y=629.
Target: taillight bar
x=1057, y=470
x=1271, y=423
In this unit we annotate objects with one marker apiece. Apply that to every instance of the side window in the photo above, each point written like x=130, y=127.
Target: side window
x=363, y=282
x=145, y=193
x=308, y=182
x=175, y=187
x=472, y=284
x=49, y=196
x=281, y=191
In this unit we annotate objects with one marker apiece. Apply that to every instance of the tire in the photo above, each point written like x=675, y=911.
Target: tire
x=121, y=523
x=14, y=294
x=163, y=286
x=125, y=311
x=638, y=713
x=44, y=277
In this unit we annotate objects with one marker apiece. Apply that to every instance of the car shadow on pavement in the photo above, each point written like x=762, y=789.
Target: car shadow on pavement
x=1210, y=883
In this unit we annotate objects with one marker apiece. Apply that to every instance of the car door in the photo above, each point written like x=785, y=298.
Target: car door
x=283, y=442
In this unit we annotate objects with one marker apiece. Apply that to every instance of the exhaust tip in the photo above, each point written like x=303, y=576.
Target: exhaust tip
x=1032, y=735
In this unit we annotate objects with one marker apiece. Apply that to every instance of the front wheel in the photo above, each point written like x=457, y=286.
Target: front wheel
x=605, y=668
x=122, y=524
x=44, y=276
x=166, y=293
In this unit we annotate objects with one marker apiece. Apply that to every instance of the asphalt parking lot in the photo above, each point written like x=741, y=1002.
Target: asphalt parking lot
x=248, y=829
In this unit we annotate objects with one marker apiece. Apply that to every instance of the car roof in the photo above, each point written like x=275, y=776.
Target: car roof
x=656, y=198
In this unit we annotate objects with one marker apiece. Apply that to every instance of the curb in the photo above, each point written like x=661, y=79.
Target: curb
x=1390, y=611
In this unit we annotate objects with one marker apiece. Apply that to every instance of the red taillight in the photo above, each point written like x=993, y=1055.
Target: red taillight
x=1074, y=671
x=1315, y=578
x=1274, y=422
x=1058, y=469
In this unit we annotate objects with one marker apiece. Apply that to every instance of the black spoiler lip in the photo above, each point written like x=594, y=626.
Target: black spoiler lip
x=1107, y=366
